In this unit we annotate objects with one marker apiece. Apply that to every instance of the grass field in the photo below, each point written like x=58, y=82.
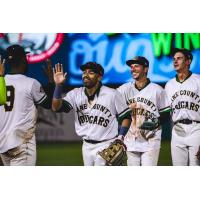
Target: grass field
x=69, y=154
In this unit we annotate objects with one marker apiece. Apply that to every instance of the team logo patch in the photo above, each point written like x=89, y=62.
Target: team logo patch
x=40, y=45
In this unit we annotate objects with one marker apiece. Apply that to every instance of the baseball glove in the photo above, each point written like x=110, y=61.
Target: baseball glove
x=114, y=154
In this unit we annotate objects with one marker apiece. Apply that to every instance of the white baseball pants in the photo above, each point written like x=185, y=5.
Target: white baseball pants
x=90, y=153
x=148, y=158
x=185, y=144
x=25, y=155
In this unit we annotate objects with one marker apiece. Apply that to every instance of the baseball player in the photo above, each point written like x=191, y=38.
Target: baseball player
x=95, y=108
x=18, y=116
x=2, y=83
x=183, y=92
x=149, y=105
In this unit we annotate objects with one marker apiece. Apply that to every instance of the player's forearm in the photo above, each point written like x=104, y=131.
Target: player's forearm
x=2, y=91
x=124, y=127
x=56, y=104
x=57, y=98
x=126, y=122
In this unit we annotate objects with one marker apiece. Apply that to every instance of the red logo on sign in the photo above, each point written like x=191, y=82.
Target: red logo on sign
x=40, y=45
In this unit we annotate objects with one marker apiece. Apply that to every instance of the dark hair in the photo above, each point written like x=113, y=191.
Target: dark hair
x=97, y=68
x=16, y=55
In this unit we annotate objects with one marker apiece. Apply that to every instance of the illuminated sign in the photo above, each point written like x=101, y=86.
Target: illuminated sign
x=40, y=45
x=112, y=51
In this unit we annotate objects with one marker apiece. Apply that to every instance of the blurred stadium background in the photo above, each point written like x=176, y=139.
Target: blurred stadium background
x=57, y=142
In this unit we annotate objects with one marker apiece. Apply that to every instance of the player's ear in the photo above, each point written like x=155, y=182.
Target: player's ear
x=99, y=77
x=146, y=69
x=188, y=62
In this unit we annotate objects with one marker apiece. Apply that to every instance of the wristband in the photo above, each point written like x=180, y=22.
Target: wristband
x=58, y=92
x=123, y=130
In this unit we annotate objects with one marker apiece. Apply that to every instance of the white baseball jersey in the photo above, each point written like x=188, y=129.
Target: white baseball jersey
x=184, y=98
x=97, y=121
x=18, y=116
x=150, y=101
x=185, y=104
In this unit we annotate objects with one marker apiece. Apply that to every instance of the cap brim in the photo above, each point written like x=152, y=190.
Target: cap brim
x=130, y=62
x=83, y=67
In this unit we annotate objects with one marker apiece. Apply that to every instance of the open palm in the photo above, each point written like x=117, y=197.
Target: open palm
x=58, y=74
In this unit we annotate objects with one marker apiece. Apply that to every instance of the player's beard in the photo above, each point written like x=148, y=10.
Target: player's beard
x=89, y=85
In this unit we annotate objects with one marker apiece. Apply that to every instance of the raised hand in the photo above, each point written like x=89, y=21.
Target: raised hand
x=48, y=70
x=58, y=74
x=2, y=68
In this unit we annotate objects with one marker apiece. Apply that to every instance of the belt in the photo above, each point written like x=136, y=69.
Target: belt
x=95, y=141
x=187, y=121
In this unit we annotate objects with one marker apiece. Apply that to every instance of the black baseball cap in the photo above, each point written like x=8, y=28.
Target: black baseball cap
x=187, y=53
x=138, y=60
x=95, y=67
x=15, y=52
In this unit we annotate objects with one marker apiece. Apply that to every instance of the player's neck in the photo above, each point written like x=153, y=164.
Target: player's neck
x=91, y=91
x=13, y=71
x=141, y=83
x=182, y=75
x=17, y=70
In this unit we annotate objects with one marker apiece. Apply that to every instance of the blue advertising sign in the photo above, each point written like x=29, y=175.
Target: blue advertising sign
x=109, y=50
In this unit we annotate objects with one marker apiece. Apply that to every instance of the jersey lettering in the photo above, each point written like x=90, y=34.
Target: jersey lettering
x=141, y=111
x=186, y=105
x=185, y=93
x=93, y=120
x=10, y=98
